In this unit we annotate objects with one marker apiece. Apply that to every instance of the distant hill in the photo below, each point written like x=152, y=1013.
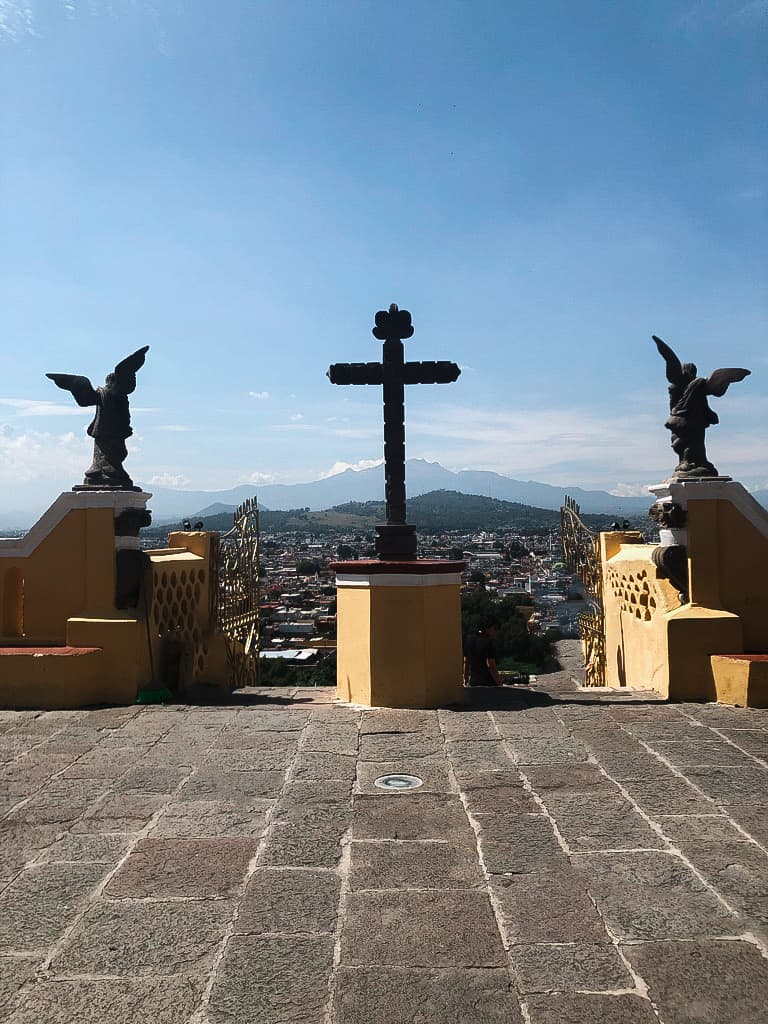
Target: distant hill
x=444, y=510
x=441, y=511
x=218, y=508
x=368, y=485
x=438, y=511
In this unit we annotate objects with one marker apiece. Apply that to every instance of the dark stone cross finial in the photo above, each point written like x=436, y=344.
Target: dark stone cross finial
x=397, y=539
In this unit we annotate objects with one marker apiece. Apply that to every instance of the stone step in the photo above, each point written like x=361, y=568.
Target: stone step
x=741, y=679
x=47, y=676
x=35, y=651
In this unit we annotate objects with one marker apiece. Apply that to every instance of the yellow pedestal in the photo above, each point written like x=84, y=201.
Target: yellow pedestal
x=399, y=633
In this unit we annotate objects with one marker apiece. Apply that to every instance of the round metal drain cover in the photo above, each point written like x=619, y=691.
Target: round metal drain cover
x=398, y=782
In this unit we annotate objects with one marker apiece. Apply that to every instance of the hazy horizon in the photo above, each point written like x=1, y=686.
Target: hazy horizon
x=272, y=496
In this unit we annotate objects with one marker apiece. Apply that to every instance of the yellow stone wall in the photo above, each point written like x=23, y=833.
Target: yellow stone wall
x=64, y=644
x=65, y=575
x=399, y=645
x=682, y=651
x=728, y=560
x=693, y=634
x=635, y=602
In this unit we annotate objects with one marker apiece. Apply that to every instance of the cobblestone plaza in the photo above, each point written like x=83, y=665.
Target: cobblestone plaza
x=570, y=858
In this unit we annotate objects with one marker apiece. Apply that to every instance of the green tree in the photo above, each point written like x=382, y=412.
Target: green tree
x=476, y=605
x=513, y=640
x=308, y=567
x=278, y=672
x=274, y=672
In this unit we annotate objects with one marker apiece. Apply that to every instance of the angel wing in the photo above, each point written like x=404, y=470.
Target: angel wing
x=133, y=362
x=82, y=390
x=674, y=366
x=718, y=380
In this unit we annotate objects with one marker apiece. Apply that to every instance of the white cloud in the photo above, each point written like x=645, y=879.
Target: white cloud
x=752, y=192
x=30, y=407
x=16, y=19
x=751, y=14
x=705, y=14
x=342, y=467
x=259, y=478
x=176, y=428
x=259, y=395
x=583, y=447
x=176, y=480
x=20, y=18
x=296, y=417
x=30, y=455
x=33, y=407
x=630, y=490
x=554, y=445
x=328, y=428
x=280, y=428
x=542, y=433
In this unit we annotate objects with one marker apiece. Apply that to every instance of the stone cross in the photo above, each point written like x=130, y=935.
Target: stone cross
x=397, y=539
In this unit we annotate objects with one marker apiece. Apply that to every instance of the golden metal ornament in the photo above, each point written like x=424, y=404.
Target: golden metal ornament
x=238, y=594
x=581, y=553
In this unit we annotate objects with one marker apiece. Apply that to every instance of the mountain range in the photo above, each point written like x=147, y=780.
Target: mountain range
x=362, y=485
x=368, y=485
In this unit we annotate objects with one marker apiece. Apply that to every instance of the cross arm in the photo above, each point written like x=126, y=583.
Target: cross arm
x=356, y=373
x=440, y=372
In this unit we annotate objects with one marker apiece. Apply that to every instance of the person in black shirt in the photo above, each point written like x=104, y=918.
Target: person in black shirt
x=480, y=656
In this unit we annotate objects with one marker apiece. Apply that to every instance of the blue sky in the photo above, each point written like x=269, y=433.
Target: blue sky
x=241, y=185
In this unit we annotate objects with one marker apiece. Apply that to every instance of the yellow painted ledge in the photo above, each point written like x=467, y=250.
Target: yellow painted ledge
x=52, y=678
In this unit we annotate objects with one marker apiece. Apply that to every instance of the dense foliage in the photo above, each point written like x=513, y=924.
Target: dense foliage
x=514, y=644
x=278, y=672
x=433, y=513
x=309, y=567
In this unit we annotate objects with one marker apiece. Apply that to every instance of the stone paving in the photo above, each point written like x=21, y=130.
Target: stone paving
x=572, y=858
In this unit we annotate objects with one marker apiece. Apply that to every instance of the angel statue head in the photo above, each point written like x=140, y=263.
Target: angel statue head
x=689, y=411
x=111, y=425
x=125, y=384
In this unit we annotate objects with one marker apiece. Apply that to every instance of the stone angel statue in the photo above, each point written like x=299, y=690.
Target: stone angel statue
x=689, y=411
x=111, y=425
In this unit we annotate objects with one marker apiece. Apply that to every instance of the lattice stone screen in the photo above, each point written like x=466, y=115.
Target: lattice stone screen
x=179, y=614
